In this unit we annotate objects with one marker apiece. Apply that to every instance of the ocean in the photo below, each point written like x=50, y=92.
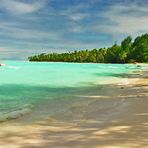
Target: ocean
x=27, y=87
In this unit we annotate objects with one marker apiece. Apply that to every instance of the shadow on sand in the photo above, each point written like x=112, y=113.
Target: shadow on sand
x=111, y=120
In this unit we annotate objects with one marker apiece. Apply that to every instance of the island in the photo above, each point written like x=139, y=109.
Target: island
x=127, y=52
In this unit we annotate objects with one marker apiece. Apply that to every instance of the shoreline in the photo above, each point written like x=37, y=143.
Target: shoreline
x=116, y=119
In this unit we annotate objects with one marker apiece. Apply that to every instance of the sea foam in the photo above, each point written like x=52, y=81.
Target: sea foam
x=25, y=109
x=13, y=67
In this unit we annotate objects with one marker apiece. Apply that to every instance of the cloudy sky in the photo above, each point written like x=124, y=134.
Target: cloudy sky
x=29, y=27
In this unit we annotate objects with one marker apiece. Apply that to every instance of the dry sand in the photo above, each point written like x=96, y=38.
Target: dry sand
x=116, y=117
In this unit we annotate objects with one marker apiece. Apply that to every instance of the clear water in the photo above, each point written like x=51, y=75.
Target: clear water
x=34, y=83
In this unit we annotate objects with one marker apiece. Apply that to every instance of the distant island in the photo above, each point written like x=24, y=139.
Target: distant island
x=127, y=52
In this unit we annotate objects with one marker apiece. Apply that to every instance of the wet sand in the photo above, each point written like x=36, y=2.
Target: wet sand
x=114, y=117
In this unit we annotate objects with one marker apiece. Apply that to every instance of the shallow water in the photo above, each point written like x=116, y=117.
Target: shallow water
x=33, y=83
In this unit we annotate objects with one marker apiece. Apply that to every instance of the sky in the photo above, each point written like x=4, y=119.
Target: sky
x=29, y=27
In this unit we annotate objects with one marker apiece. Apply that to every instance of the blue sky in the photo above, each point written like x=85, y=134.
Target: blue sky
x=29, y=27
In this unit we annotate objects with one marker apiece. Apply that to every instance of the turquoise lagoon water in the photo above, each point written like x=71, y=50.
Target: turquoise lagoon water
x=34, y=83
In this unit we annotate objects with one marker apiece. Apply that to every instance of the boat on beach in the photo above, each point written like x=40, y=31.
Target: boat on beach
x=2, y=64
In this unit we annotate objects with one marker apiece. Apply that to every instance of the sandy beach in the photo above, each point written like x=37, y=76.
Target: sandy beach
x=114, y=117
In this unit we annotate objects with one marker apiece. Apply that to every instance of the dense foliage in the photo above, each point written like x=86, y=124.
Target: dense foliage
x=127, y=52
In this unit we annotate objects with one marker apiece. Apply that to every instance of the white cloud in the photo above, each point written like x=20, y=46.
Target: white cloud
x=16, y=31
x=18, y=7
x=11, y=53
x=75, y=12
x=22, y=54
x=75, y=16
x=78, y=16
x=130, y=19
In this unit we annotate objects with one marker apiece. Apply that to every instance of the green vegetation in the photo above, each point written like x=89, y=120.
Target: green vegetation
x=127, y=52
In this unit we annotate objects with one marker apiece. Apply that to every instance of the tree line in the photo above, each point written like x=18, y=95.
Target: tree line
x=128, y=52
